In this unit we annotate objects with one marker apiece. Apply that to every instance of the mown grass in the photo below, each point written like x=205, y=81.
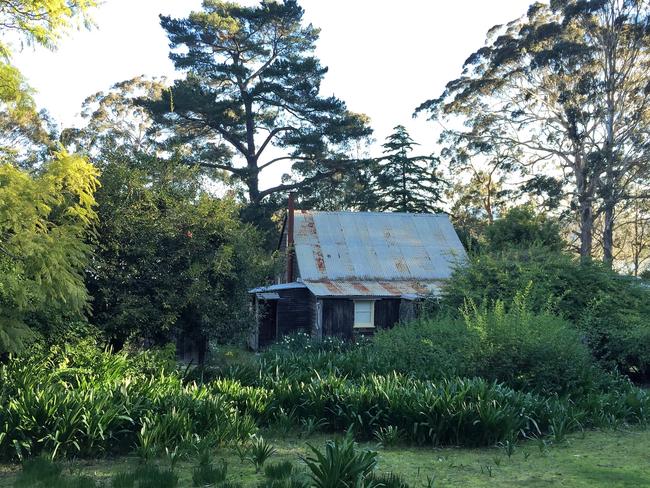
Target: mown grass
x=609, y=459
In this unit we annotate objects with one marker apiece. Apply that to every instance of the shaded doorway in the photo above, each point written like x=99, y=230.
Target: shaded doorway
x=268, y=325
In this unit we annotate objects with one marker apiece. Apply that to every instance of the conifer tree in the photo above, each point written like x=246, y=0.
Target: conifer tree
x=405, y=183
x=250, y=100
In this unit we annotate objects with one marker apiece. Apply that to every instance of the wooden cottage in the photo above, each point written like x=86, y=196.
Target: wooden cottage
x=354, y=272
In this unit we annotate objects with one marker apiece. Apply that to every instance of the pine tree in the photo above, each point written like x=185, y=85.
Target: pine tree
x=250, y=100
x=405, y=183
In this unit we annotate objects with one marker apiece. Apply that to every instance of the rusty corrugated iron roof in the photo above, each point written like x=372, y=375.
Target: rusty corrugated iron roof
x=374, y=248
x=373, y=288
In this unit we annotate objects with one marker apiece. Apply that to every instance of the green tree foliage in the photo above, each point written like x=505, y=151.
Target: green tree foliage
x=632, y=236
x=563, y=88
x=116, y=128
x=172, y=261
x=474, y=206
x=45, y=216
x=45, y=222
x=42, y=21
x=250, y=100
x=22, y=129
x=477, y=154
x=521, y=228
x=531, y=351
x=405, y=183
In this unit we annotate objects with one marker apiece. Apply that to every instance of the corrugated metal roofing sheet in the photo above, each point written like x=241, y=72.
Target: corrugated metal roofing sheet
x=278, y=287
x=375, y=247
x=405, y=289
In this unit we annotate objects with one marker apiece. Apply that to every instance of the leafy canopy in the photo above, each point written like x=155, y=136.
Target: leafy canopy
x=42, y=21
x=250, y=100
x=45, y=222
x=561, y=91
x=172, y=261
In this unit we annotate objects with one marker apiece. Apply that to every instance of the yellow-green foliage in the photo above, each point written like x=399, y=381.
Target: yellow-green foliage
x=45, y=221
x=43, y=21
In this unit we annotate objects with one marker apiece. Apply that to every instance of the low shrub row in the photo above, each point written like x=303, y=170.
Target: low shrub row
x=84, y=402
x=81, y=401
x=470, y=412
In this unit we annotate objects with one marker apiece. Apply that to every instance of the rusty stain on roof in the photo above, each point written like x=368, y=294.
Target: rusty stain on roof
x=360, y=286
x=318, y=256
x=373, y=246
x=392, y=289
x=328, y=288
x=331, y=287
x=401, y=266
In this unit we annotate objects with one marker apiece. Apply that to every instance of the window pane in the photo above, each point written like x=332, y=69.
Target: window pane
x=362, y=317
x=363, y=313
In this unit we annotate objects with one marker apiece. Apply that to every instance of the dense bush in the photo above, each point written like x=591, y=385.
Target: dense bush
x=528, y=351
x=450, y=412
x=611, y=311
x=525, y=350
x=171, y=260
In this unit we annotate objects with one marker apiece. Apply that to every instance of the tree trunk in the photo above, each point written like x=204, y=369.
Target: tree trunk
x=585, y=205
x=608, y=234
x=252, y=180
x=586, y=229
x=488, y=201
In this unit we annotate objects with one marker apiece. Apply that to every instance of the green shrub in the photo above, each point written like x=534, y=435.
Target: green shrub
x=526, y=350
x=258, y=452
x=302, y=342
x=57, y=402
x=340, y=464
x=426, y=348
x=388, y=436
x=610, y=310
x=529, y=351
x=522, y=227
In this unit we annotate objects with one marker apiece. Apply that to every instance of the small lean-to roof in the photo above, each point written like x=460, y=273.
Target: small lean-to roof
x=404, y=289
x=377, y=247
x=279, y=287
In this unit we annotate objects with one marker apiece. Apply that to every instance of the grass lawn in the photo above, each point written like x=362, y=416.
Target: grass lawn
x=594, y=459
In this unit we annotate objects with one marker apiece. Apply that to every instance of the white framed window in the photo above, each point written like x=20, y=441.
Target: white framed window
x=364, y=314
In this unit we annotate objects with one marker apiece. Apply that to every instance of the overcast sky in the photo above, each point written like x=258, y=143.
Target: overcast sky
x=384, y=57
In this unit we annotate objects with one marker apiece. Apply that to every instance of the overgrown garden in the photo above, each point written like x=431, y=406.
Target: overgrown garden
x=135, y=237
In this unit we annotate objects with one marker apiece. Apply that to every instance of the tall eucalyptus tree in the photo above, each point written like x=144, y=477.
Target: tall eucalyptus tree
x=565, y=87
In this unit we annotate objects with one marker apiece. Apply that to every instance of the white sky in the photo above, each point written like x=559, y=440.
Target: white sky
x=384, y=57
